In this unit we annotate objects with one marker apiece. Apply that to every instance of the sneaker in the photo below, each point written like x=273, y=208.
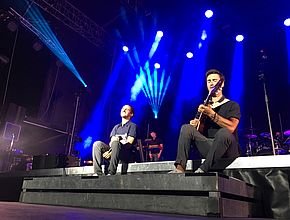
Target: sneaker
x=110, y=174
x=95, y=174
x=199, y=170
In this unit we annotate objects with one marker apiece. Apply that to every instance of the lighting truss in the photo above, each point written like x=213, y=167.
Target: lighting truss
x=29, y=26
x=74, y=19
x=133, y=5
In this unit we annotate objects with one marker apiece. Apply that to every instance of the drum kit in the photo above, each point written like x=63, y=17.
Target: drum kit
x=258, y=145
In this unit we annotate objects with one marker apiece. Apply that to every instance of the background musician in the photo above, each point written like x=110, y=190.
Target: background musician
x=155, y=146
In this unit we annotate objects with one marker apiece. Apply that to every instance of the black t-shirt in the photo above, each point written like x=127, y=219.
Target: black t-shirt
x=227, y=110
x=157, y=141
x=128, y=129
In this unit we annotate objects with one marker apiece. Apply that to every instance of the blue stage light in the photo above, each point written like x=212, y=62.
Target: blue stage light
x=237, y=83
x=125, y=49
x=208, y=13
x=239, y=38
x=203, y=35
x=157, y=65
x=159, y=34
x=155, y=44
x=45, y=34
x=151, y=85
x=287, y=32
x=189, y=55
x=287, y=22
x=94, y=129
x=192, y=76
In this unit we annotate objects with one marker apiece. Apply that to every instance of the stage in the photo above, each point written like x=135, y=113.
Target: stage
x=16, y=210
x=256, y=185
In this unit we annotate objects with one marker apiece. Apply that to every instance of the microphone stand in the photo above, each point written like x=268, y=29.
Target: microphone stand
x=71, y=141
x=9, y=71
x=281, y=127
x=147, y=144
x=262, y=78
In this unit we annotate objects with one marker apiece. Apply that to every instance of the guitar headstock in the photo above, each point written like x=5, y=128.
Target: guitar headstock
x=217, y=87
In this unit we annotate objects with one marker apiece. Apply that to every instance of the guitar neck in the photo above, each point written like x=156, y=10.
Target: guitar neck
x=208, y=100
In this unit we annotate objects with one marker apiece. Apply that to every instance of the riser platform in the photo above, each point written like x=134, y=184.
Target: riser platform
x=204, y=195
x=270, y=174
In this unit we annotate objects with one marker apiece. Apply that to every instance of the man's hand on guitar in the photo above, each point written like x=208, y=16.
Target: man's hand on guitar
x=207, y=110
x=194, y=122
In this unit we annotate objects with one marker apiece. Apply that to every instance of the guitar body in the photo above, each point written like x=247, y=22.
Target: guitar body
x=200, y=125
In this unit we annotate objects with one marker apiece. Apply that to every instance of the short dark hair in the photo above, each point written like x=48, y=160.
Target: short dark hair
x=132, y=109
x=215, y=71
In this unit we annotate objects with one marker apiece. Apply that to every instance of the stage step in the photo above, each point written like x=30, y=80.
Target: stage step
x=209, y=194
x=255, y=162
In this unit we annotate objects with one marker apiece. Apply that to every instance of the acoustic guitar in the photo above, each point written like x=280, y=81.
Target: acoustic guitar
x=207, y=101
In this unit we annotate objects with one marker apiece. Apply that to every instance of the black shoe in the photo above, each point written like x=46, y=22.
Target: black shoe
x=110, y=174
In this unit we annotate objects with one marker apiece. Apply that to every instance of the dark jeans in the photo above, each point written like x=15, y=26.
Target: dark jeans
x=119, y=151
x=154, y=157
x=224, y=145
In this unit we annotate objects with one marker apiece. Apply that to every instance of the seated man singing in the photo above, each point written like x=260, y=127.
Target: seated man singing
x=123, y=136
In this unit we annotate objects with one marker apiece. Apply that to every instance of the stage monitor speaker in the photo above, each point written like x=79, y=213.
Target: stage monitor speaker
x=14, y=113
x=54, y=161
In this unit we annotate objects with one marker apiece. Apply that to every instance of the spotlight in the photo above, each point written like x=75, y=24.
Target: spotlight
x=12, y=26
x=189, y=55
x=159, y=34
x=203, y=35
x=125, y=48
x=208, y=13
x=37, y=46
x=239, y=38
x=157, y=65
x=287, y=22
x=199, y=45
x=59, y=63
x=4, y=59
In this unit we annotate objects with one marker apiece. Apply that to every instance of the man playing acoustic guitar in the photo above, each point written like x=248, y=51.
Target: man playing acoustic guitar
x=219, y=118
x=123, y=136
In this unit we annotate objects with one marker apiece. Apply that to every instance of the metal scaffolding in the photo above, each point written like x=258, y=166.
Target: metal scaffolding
x=74, y=19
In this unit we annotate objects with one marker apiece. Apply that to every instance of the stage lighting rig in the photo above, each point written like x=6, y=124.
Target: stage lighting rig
x=74, y=19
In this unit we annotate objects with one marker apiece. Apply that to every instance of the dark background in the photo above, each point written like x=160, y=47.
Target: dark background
x=33, y=72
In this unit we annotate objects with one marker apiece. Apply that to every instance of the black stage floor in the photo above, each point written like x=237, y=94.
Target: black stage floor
x=16, y=210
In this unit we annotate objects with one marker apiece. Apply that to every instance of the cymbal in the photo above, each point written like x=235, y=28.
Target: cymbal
x=265, y=135
x=287, y=133
x=287, y=141
x=251, y=136
x=251, y=129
